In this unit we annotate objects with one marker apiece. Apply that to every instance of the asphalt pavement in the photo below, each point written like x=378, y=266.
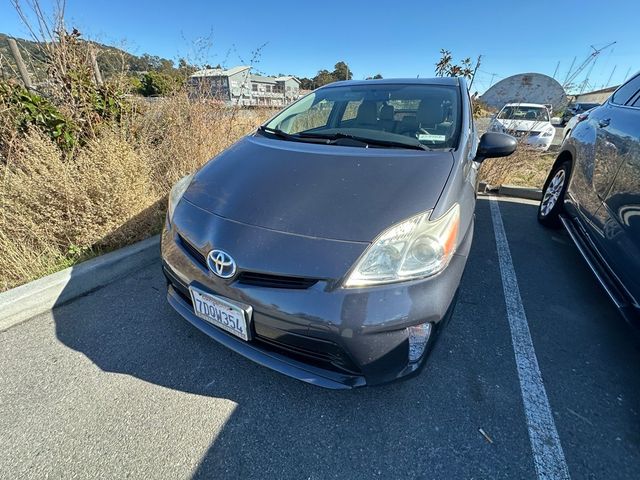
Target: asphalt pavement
x=115, y=384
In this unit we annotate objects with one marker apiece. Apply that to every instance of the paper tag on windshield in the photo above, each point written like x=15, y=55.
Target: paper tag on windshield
x=428, y=137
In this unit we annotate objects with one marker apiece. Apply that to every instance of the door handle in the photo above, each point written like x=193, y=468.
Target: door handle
x=604, y=122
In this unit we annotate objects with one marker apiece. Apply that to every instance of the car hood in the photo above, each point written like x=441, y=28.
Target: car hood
x=524, y=125
x=324, y=191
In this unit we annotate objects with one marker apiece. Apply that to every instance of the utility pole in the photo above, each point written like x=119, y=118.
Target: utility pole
x=22, y=68
x=473, y=77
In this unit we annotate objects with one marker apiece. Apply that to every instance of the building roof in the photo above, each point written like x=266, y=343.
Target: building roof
x=262, y=79
x=285, y=78
x=219, y=72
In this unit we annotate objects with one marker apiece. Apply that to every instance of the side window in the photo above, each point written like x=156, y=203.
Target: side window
x=636, y=103
x=317, y=116
x=627, y=91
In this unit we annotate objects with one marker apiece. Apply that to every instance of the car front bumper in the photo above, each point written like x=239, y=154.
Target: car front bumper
x=324, y=335
x=539, y=142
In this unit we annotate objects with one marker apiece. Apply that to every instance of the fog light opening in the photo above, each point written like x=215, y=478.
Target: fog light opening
x=418, y=339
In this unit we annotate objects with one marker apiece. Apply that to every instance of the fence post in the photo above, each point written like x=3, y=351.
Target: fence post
x=22, y=68
x=96, y=68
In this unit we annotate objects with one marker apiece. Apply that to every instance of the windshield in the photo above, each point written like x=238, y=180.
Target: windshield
x=520, y=112
x=427, y=115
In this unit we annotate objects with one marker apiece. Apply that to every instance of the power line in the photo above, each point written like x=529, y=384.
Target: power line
x=590, y=60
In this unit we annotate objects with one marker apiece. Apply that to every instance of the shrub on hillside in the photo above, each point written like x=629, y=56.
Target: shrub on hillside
x=159, y=84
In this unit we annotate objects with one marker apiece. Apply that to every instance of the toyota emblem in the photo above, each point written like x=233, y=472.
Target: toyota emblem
x=221, y=264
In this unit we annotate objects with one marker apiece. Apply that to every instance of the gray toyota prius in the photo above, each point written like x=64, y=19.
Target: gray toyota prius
x=329, y=244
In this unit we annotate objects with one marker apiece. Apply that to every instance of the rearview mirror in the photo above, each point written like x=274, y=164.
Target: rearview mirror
x=494, y=144
x=555, y=120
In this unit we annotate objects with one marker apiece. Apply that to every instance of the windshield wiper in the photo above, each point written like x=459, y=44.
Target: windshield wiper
x=278, y=133
x=369, y=141
x=304, y=136
x=290, y=136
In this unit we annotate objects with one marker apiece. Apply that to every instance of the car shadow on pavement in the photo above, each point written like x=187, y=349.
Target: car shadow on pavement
x=424, y=427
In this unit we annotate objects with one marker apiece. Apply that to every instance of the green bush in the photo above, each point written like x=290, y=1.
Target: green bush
x=158, y=83
x=31, y=110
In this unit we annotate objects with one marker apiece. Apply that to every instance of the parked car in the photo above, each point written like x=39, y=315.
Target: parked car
x=573, y=122
x=529, y=122
x=593, y=189
x=576, y=109
x=329, y=244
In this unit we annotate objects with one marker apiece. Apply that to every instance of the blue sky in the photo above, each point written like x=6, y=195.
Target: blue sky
x=397, y=39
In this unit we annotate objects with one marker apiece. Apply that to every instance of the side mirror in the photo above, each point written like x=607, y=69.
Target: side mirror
x=555, y=120
x=494, y=144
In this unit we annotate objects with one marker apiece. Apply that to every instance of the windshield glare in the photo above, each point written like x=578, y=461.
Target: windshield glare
x=520, y=112
x=428, y=114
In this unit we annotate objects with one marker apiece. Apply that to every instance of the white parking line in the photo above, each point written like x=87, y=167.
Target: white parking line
x=548, y=456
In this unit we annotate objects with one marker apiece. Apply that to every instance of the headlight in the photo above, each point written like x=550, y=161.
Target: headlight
x=549, y=132
x=412, y=249
x=176, y=193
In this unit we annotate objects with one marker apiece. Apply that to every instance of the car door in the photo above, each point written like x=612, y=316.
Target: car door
x=619, y=215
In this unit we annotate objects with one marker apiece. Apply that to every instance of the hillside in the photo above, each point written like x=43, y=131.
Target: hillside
x=110, y=59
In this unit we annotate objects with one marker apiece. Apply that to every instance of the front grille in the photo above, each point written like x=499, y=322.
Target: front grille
x=275, y=281
x=253, y=278
x=193, y=251
x=314, y=351
x=522, y=133
x=326, y=355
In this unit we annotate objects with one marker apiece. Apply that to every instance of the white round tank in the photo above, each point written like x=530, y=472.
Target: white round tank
x=526, y=88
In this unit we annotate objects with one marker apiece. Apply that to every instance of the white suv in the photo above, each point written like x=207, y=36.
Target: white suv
x=530, y=122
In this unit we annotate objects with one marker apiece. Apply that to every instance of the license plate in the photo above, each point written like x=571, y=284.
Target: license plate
x=220, y=313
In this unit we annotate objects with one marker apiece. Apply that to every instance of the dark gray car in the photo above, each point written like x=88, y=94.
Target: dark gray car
x=594, y=190
x=329, y=244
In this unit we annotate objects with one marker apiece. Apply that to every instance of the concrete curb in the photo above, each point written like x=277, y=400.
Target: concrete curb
x=511, y=191
x=520, y=192
x=23, y=302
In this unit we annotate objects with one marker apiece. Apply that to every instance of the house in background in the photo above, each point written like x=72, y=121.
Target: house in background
x=236, y=86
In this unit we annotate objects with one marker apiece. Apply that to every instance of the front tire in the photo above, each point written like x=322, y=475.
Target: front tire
x=553, y=194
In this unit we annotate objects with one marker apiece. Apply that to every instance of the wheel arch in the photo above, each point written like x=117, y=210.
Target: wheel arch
x=565, y=155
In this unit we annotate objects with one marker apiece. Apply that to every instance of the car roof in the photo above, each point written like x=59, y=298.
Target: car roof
x=525, y=105
x=452, y=81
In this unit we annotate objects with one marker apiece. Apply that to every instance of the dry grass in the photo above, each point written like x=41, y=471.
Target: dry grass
x=103, y=185
x=525, y=168
x=60, y=208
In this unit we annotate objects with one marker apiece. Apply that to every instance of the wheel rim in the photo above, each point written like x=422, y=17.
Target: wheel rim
x=552, y=193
